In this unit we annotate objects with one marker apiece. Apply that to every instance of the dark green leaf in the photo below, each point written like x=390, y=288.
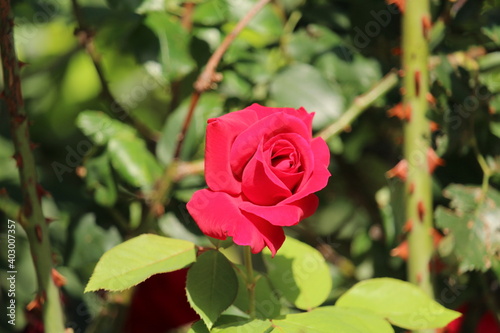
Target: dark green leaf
x=211, y=286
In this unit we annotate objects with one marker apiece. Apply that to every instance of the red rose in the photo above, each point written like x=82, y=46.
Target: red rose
x=262, y=167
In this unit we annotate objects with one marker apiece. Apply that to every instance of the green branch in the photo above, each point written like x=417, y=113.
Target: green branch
x=360, y=104
x=35, y=225
x=419, y=210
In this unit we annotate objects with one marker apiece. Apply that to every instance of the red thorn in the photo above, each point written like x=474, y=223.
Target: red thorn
x=19, y=160
x=400, y=111
x=399, y=3
x=33, y=146
x=436, y=237
x=36, y=303
x=430, y=98
x=38, y=232
x=49, y=220
x=417, y=83
x=421, y=210
x=402, y=250
x=411, y=188
x=27, y=209
x=433, y=160
x=59, y=280
x=400, y=170
x=41, y=192
x=396, y=51
x=434, y=126
x=18, y=119
x=426, y=26
x=22, y=64
x=408, y=225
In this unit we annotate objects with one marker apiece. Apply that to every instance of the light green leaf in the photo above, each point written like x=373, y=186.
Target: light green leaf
x=248, y=326
x=135, y=260
x=318, y=95
x=333, y=319
x=299, y=272
x=211, y=286
x=402, y=303
x=100, y=128
x=133, y=162
x=100, y=180
x=471, y=225
x=174, y=44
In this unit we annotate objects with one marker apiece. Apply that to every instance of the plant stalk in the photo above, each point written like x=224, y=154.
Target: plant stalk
x=250, y=281
x=416, y=32
x=32, y=218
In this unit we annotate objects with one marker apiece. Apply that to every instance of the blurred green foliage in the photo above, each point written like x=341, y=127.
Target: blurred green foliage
x=317, y=54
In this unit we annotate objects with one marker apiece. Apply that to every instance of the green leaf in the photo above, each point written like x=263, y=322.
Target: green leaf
x=174, y=45
x=333, y=319
x=135, y=260
x=401, y=303
x=472, y=225
x=250, y=326
x=211, y=286
x=210, y=12
x=133, y=162
x=100, y=180
x=100, y=128
x=318, y=95
x=299, y=272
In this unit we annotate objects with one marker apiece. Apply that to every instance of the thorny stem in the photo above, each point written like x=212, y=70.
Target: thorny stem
x=86, y=39
x=360, y=104
x=250, y=281
x=416, y=32
x=31, y=214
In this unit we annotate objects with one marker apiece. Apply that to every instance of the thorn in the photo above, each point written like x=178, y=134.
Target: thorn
x=59, y=280
x=400, y=111
x=38, y=232
x=399, y=3
x=401, y=251
x=81, y=171
x=18, y=119
x=411, y=188
x=396, y=51
x=417, y=83
x=400, y=170
x=421, y=210
x=3, y=191
x=158, y=209
x=49, y=220
x=28, y=210
x=426, y=26
x=22, y=63
x=434, y=126
x=401, y=73
x=19, y=160
x=408, y=225
x=433, y=160
x=36, y=303
x=33, y=145
x=430, y=98
x=436, y=237
x=41, y=192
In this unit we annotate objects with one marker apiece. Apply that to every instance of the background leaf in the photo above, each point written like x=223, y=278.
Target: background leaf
x=135, y=260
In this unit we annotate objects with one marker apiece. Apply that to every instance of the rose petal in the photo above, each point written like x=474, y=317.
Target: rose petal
x=221, y=133
x=280, y=215
x=218, y=216
x=245, y=144
x=260, y=185
x=301, y=113
x=319, y=177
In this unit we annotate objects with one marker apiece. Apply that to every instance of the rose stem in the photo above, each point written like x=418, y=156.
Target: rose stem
x=360, y=104
x=86, y=39
x=205, y=81
x=250, y=281
x=31, y=217
x=415, y=60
